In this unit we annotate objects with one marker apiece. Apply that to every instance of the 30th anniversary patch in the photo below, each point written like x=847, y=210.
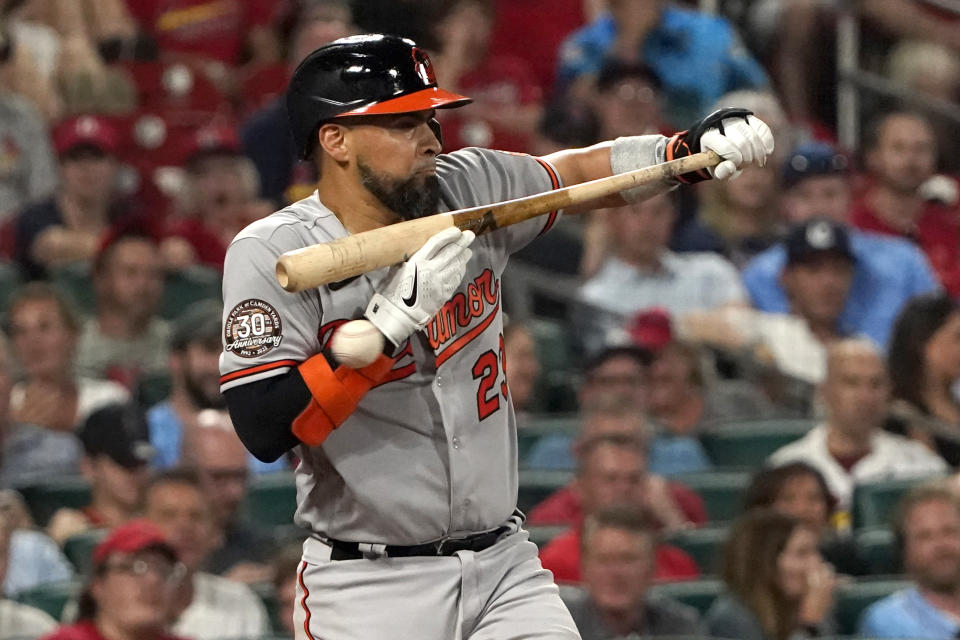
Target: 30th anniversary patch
x=252, y=329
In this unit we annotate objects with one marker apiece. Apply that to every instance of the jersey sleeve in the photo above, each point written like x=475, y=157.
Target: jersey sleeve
x=266, y=330
x=475, y=177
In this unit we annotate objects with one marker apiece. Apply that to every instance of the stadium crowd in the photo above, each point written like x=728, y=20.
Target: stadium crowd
x=738, y=404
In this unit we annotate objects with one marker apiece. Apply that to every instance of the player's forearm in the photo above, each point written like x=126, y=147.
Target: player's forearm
x=603, y=160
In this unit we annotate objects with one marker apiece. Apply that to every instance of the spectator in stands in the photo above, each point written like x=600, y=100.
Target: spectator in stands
x=208, y=607
x=667, y=454
x=900, y=150
x=28, y=169
x=612, y=473
x=116, y=457
x=520, y=352
x=28, y=559
x=506, y=97
x=778, y=585
x=213, y=449
x=674, y=41
x=930, y=69
x=216, y=37
x=627, y=100
x=850, y=447
x=798, y=38
x=798, y=490
x=889, y=271
x=927, y=528
x=218, y=199
x=924, y=363
x=915, y=19
x=743, y=214
x=286, y=575
x=67, y=228
x=740, y=220
x=30, y=53
x=615, y=378
x=683, y=397
x=18, y=621
x=195, y=385
x=640, y=272
x=125, y=339
x=618, y=565
x=266, y=136
x=817, y=278
x=51, y=400
x=136, y=580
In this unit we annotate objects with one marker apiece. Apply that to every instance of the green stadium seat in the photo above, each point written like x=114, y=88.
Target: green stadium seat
x=9, y=282
x=271, y=500
x=552, y=344
x=79, y=549
x=183, y=288
x=722, y=491
x=50, y=598
x=75, y=282
x=536, y=485
x=542, y=535
x=44, y=500
x=698, y=594
x=704, y=546
x=852, y=599
x=747, y=444
x=873, y=503
x=877, y=547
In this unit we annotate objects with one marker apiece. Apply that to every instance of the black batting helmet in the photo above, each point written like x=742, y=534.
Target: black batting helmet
x=369, y=74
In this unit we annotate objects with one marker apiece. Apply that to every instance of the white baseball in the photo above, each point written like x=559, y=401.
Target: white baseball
x=356, y=344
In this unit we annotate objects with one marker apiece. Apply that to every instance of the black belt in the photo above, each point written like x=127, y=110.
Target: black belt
x=342, y=550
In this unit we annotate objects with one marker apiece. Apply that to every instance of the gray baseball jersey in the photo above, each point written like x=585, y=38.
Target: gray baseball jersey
x=431, y=450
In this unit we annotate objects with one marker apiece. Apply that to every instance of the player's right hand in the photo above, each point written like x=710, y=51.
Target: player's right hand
x=414, y=291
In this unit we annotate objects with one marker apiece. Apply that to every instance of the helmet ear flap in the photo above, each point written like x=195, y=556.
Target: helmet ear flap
x=434, y=125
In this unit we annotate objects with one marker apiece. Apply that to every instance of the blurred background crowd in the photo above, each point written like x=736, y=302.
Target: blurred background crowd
x=738, y=403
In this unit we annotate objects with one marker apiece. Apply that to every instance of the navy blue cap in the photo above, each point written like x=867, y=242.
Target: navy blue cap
x=817, y=236
x=120, y=432
x=813, y=159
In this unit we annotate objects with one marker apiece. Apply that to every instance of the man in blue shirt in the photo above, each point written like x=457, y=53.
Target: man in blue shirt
x=928, y=527
x=697, y=57
x=889, y=271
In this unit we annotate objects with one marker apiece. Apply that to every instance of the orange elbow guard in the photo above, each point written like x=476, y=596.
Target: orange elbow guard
x=335, y=395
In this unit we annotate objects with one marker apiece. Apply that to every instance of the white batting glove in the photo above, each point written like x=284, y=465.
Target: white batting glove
x=414, y=291
x=736, y=135
x=744, y=140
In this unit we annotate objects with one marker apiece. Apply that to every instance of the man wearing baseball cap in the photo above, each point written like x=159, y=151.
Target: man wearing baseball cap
x=132, y=588
x=817, y=278
x=117, y=453
x=67, y=227
x=889, y=271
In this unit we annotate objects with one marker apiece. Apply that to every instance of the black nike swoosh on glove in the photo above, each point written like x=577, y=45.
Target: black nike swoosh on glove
x=412, y=298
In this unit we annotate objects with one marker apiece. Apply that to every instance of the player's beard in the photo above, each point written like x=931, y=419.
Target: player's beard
x=413, y=197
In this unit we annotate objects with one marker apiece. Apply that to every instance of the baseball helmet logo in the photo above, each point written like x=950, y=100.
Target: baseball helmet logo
x=423, y=66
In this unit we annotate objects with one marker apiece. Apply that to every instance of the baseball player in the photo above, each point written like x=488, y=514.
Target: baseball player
x=407, y=479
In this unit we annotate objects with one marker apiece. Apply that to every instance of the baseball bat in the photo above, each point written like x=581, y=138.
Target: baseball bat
x=343, y=258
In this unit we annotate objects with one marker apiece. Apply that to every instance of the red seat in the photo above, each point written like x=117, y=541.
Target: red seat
x=178, y=89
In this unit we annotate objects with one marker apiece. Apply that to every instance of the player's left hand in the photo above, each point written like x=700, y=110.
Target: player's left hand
x=736, y=135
